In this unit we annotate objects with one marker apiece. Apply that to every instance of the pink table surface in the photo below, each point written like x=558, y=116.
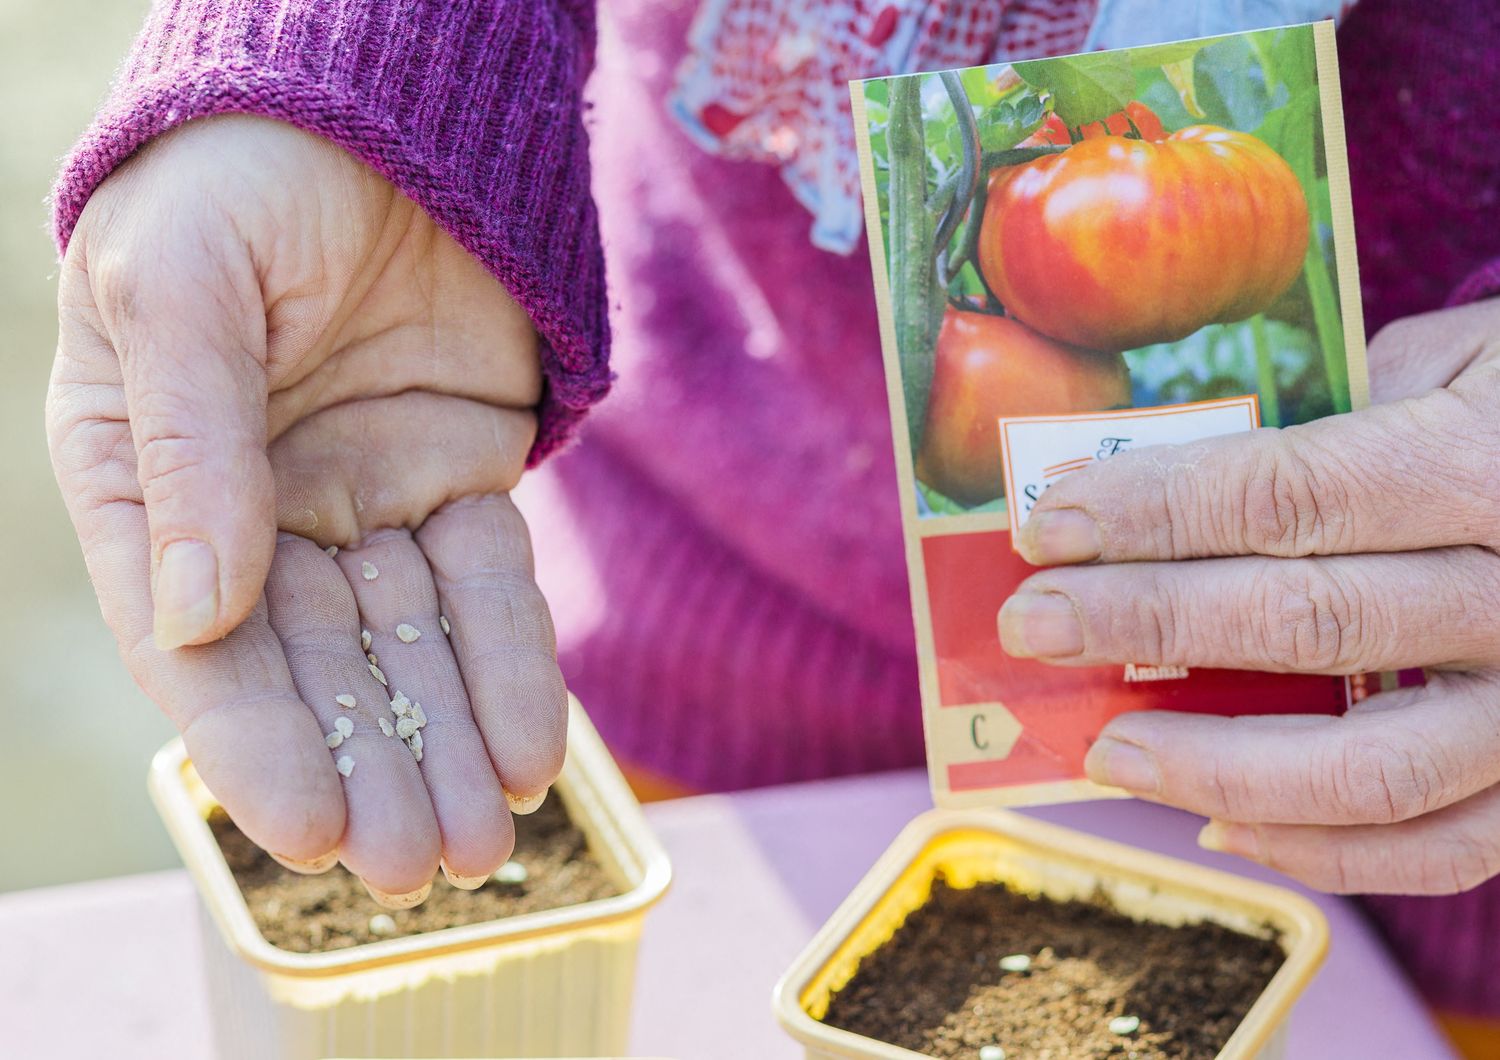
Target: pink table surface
x=112, y=968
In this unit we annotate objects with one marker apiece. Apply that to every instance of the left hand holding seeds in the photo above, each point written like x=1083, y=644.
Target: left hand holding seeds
x=286, y=414
x=1357, y=543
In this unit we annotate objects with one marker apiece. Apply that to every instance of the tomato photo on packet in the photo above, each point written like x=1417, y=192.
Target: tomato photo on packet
x=1104, y=231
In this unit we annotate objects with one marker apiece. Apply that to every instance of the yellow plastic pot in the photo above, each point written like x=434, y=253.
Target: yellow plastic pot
x=553, y=983
x=971, y=847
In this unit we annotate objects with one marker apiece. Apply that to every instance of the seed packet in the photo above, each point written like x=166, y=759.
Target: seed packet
x=1074, y=257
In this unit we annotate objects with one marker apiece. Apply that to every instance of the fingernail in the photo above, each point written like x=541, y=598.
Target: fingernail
x=186, y=595
x=1122, y=765
x=400, y=901
x=464, y=883
x=1229, y=838
x=308, y=868
x=1040, y=626
x=521, y=805
x=1063, y=536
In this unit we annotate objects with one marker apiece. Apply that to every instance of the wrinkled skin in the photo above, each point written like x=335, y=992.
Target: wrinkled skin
x=265, y=349
x=1119, y=243
x=991, y=366
x=1356, y=543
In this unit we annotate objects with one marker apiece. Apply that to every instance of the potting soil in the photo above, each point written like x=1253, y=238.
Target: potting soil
x=938, y=988
x=307, y=914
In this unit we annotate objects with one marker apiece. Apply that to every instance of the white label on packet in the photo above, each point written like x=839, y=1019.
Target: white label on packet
x=1037, y=451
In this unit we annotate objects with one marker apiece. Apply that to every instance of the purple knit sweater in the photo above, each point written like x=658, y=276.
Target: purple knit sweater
x=724, y=554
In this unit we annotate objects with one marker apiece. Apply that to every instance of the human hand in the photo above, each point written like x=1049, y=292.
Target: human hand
x=258, y=333
x=1356, y=543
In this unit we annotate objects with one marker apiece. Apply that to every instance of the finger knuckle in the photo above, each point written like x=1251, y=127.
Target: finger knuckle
x=115, y=282
x=1303, y=617
x=1154, y=627
x=1376, y=779
x=1333, y=869
x=1190, y=520
x=1452, y=864
x=162, y=461
x=1287, y=508
x=517, y=613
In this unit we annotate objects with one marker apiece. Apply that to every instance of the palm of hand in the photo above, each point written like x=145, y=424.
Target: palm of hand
x=258, y=334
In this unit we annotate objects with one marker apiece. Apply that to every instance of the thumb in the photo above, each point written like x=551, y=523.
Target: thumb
x=188, y=324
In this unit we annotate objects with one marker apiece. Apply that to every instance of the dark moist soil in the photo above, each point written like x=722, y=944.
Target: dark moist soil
x=308, y=914
x=937, y=987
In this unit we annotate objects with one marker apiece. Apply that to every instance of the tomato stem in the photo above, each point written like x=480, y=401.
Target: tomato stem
x=915, y=310
x=968, y=172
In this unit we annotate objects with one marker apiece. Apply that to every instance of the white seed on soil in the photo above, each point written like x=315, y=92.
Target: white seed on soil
x=991, y=1052
x=345, y=765
x=364, y=640
x=369, y=570
x=443, y=621
x=382, y=924
x=400, y=705
x=377, y=673
x=343, y=726
x=333, y=739
x=406, y=728
x=1015, y=962
x=407, y=633
x=417, y=715
x=1124, y=1025
x=385, y=726
x=332, y=550
x=511, y=872
x=345, y=700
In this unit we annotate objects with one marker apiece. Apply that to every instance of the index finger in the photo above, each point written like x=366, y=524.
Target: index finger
x=1394, y=478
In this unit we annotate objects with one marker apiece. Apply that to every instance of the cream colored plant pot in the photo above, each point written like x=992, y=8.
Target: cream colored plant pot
x=970, y=847
x=554, y=983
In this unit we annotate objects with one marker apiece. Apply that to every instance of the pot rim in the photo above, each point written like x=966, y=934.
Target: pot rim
x=1303, y=926
x=591, y=784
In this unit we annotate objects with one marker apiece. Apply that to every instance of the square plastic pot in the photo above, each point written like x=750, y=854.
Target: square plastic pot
x=547, y=984
x=971, y=847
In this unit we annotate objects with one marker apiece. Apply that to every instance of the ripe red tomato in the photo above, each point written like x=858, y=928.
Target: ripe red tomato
x=987, y=367
x=1117, y=243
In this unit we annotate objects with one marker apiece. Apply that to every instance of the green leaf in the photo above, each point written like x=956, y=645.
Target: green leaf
x=1180, y=74
x=1005, y=125
x=1084, y=88
x=1166, y=54
x=1294, y=58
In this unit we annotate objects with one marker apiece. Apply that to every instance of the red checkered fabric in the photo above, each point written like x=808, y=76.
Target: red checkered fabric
x=767, y=79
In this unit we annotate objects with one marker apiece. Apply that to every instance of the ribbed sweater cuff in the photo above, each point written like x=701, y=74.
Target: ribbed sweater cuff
x=1483, y=282
x=472, y=109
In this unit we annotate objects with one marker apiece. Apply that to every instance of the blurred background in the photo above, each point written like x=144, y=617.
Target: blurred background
x=75, y=733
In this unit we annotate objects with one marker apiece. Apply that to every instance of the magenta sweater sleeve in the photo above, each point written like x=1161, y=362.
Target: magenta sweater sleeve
x=1483, y=282
x=470, y=107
